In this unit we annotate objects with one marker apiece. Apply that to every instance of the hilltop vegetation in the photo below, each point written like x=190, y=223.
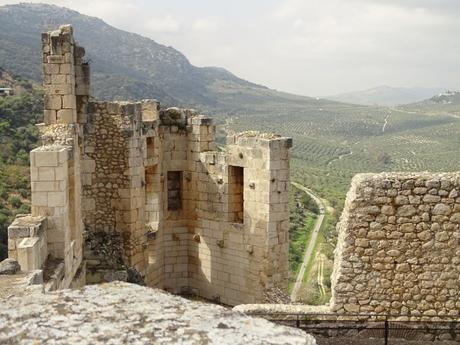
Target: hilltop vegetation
x=334, y=142
x=444, y=103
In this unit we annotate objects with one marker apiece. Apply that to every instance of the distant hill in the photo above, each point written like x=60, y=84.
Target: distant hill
x=126, y=65
x=443, y=103
x=386, y=95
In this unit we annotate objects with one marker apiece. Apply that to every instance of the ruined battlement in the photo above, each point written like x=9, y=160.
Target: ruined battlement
x=132, y=191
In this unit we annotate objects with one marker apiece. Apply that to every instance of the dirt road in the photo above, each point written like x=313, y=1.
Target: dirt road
x=312, y=242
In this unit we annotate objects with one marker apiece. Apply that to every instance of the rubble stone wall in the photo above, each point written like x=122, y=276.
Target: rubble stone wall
x=398, y=250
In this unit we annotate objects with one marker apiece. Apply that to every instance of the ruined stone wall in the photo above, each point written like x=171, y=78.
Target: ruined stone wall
x=113, y=187
x=164, y=185
x=398, y=250
x=236, y=260
x=104, y=162
x=177, y=199
x=158, y=202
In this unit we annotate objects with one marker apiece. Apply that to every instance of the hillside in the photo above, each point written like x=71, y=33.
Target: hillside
x=443, y=103
x=386, y=95
x=125, y=65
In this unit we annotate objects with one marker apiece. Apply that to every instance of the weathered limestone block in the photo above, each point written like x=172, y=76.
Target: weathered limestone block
x=9, y=266
x=120, y=304
x=30, y=253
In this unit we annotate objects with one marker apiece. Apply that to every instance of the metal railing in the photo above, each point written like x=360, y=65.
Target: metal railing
x=370, y=326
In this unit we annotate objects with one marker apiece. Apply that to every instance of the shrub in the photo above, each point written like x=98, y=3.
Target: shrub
x=14, y=201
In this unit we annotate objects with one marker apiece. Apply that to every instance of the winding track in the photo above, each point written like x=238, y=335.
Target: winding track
x=311, y=243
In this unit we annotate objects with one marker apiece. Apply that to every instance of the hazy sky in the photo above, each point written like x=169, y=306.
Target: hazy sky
x=310, y=47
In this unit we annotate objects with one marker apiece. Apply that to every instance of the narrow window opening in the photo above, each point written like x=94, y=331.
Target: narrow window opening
x=150, y=147
x=236, y=193
x=174, y=190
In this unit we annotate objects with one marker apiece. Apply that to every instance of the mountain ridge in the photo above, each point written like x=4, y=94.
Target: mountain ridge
x=144, y=67
x=385, y=95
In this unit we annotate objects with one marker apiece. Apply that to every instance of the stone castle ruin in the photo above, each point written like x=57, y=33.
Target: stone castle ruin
x=131, y=191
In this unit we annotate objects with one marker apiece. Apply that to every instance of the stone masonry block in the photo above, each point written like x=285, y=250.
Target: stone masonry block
x=65, y=68
x=66, y=116
x=26, y=226
x=58, y=79
x=82, y=87
x=64, y=155
x=61, y=173
x=45, y=186
x=49, y=116
x=39, y=199
x=33, y=174
x=29, y=256
x=52, y=102
x=46, y=79
x=45, y=158
x=45, y=174
x=58, y=89
x=55, y=59
x=69, y=102
x=57, y=199
x=51, y=68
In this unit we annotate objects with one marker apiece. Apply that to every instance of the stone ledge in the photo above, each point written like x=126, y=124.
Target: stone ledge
x=125, y=313
x=251, y=309
x=26, y=226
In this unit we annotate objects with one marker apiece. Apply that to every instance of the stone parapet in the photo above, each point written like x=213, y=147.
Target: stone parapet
x=398, y=250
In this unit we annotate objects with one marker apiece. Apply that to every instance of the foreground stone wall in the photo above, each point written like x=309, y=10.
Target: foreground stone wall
x=121, y=313
x=398, y=249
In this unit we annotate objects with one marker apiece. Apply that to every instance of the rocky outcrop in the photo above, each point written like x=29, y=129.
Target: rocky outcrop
x=9, y=266
x=122, y=313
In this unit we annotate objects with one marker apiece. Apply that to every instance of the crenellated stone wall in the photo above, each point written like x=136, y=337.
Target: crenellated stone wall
x=398, y=250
